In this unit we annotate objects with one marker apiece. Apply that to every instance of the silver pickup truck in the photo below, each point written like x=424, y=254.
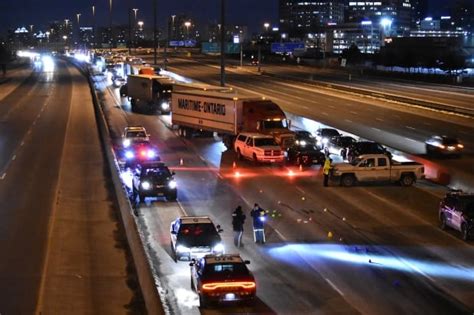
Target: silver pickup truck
x=377, y=168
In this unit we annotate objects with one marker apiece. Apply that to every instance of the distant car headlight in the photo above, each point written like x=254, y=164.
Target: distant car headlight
x=129, y=155
x=219, y=248
x=181, y=249
x=146, y=185
x=460, y=146
x=165, y=106
x=126, y=142
x=302, y=143
x=172, y=184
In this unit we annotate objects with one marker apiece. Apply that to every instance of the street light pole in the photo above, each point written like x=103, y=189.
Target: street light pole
x=78, y=16
x=222, y=42
x=110, y=25
x=155, y=53
x=94, y=26
x=130, y=31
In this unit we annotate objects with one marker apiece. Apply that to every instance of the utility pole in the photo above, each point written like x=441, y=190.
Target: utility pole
x=155, y=57
x=222, y=42
x=94, y=26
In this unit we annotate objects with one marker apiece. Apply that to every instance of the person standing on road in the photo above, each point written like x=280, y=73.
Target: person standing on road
x=238, y=219
x=326, y=169
x=259, y=217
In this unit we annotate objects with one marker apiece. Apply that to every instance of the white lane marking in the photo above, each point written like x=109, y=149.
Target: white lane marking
x=332, y=106
x=3, y=176
x=410, y=139
x=14, y=157
x=325, y=114
x=353, y=113
x=305, y=107
x=280, y=235
x=410, y=127
x=376, y=129
x=379, y=119
x=182, y=208
x=348, y=120
x=334, y=286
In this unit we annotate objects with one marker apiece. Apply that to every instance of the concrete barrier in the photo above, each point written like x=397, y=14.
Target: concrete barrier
x=143, y=267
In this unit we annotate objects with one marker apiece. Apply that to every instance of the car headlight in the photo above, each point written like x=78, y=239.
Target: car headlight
x=181, y=249
x=172, y=184
x=126, y=142
x=129, y=155
x=324, y=140
x=146, y=185
x=151, y=154
x=165, y=106
x=262, y=218
x=218, y=248
x=302, y=143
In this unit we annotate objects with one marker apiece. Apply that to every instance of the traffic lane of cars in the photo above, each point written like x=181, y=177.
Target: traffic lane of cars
x=379, y=115
x=200, y=200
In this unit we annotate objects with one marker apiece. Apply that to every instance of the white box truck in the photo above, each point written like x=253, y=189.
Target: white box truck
x=229, y=113
x=149, y=93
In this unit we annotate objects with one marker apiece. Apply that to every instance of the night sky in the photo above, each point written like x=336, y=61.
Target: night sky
x=253, y=13
x=25, y=12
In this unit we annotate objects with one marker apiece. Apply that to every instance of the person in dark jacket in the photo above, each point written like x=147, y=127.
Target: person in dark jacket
x=259, y=217
x=238, y=219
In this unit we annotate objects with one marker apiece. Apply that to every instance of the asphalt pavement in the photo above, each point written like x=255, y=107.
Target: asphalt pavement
x=369, y=249
x=58, y=235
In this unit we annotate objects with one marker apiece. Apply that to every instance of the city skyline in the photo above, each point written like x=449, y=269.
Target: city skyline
x=245, y=12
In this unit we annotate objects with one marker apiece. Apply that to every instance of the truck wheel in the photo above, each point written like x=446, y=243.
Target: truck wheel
x=239, y=155
x=442, y=220
x=254, y=159
x=348, y=180
x=465, y=232
x=407, y=180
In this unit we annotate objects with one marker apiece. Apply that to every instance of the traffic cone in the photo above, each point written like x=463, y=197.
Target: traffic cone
x=234, y=165
x=301, y=167
x=329, y=234
x=181, y=162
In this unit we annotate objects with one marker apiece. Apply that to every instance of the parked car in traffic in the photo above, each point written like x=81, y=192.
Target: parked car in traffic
x=456, y=211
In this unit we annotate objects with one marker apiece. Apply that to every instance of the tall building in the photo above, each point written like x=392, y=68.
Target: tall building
x=298, y=18
x=400, y=13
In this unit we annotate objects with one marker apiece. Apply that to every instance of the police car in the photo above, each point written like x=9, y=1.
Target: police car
x=134, y=134
x=222, y=278
x=138, y=152
x=153, y=179
x=194, y=237
x=456, y=211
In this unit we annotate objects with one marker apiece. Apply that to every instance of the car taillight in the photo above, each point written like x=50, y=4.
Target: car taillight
x=218, y=285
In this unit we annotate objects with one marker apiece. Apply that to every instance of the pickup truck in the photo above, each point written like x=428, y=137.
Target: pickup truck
x=376, y=168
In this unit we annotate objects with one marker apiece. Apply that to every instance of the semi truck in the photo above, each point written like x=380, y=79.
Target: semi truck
x=149, y=93
x=228, y=113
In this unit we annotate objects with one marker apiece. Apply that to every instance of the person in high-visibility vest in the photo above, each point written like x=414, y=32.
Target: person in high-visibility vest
x=326, y=169
x=259, y=217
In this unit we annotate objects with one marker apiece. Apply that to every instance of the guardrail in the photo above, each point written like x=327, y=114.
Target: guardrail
x=143, y=268
x=380, y=95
